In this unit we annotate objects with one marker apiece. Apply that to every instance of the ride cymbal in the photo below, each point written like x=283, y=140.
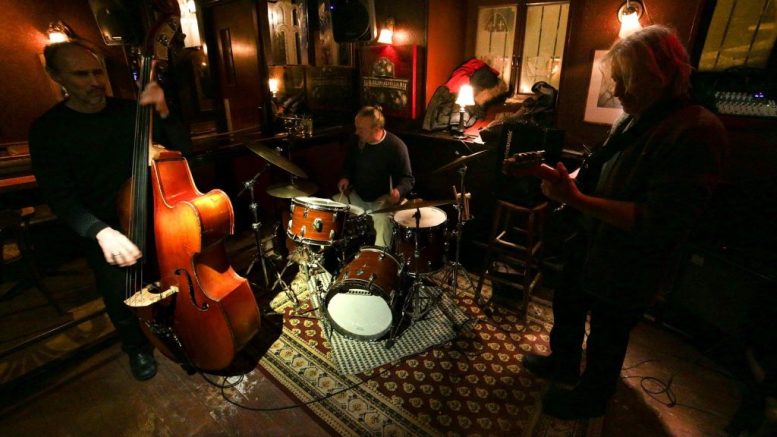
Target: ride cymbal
x=274, y=157
x=413, y=204
x=461, y=160
x=288, y=190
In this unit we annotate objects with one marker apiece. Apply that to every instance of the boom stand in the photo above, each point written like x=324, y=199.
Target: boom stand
x=454, y=268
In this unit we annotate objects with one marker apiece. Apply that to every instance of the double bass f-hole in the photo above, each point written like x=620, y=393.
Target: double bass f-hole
x=204, y=306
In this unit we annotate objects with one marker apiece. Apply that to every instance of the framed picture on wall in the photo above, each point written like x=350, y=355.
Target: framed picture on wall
x=601, y=106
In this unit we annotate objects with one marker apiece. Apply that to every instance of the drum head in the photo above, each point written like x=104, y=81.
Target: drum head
x=430, y=217
x=362, y=316
x=319, y=203
x=355, y=210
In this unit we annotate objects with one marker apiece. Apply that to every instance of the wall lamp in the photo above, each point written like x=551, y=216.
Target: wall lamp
x=629, y=14
x=387, y=32
x=273, y=85
x=58, y=32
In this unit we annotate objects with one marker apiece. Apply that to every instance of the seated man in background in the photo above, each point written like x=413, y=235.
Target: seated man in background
x=376, y=170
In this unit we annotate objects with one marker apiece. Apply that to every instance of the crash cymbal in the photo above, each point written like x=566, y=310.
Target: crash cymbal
x=460, y=161
x=288, y=190
x=412, y=204
x=274, y=157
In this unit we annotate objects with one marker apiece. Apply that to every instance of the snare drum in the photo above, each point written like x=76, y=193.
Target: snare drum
x=362, y=301
x=431, y=238
x=316, y=221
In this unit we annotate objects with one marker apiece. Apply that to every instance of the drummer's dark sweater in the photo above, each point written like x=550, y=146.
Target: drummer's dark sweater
x=368, y=168
x=81, y=160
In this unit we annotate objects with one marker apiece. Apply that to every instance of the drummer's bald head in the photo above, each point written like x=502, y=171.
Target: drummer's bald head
x=374, y=114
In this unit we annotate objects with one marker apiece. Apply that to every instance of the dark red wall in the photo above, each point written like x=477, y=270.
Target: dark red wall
x=445, y=41
x=26, y=90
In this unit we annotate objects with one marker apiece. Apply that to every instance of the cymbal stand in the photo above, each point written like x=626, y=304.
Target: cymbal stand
x=454, y=268
x=260, y=257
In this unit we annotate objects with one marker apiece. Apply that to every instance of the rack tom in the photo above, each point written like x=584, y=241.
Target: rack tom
x=316, y=220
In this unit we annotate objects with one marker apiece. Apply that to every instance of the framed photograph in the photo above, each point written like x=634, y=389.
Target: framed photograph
x=601, y=106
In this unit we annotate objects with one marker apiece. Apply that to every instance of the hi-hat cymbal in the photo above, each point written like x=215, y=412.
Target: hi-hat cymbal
x=413, y=204
x=460, y=161
x=273, y=157
x=288, y=190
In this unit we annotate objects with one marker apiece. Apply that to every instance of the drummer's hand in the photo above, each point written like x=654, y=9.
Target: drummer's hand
x=117, y=249
x=343, y=185
x=394, y=196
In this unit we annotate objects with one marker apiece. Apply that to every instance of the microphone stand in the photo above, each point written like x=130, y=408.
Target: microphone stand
x=455, y=268
x=260, y=257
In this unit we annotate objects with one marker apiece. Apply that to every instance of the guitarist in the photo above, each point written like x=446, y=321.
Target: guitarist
x=646, y=186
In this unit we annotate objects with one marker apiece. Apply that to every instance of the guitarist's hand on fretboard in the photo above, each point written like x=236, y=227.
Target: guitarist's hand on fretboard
x=528, y=164
x=562, y=187
x=557, y=183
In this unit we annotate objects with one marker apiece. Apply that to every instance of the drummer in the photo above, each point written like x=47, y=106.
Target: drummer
x=376, y=172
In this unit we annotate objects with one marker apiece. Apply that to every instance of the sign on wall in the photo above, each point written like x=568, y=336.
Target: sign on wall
x=390, y=78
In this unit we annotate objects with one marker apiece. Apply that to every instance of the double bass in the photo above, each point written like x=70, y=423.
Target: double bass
x=201, y=312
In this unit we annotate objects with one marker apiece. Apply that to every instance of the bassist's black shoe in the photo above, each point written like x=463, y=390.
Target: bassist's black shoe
x=143, y=365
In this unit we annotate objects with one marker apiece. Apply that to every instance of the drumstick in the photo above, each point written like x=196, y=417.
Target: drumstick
x=391, y=185
x=466, y=206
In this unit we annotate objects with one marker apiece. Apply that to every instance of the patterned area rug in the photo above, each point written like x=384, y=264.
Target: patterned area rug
x=439, y=325
x=471, y=385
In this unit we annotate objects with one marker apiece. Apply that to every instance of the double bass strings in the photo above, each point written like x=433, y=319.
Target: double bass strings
x=137, y=229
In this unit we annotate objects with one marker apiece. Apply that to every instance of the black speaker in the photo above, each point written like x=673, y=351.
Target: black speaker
x=119, y=21
x=353, y=20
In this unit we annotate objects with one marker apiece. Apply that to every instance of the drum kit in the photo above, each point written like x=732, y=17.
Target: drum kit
x=363, y=292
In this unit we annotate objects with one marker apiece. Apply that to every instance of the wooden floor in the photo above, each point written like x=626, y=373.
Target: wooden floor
x=91, y=392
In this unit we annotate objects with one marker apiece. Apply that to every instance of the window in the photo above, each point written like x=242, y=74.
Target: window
x=742, y=34
x=532, y=54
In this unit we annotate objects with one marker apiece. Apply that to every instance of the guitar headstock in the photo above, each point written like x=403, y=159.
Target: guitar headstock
x=525, y=159
x=529, y=164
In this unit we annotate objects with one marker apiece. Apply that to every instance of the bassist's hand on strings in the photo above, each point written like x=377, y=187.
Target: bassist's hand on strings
x=117, y=249
x=154, y=95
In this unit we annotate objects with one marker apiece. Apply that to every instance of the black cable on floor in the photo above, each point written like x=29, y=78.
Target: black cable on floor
x=664, y=388
x=223, y=386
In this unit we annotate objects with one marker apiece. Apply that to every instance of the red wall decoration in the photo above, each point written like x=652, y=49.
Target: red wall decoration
x=390, y=78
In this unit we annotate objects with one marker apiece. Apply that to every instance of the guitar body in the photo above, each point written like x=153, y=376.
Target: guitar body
x=214, y=314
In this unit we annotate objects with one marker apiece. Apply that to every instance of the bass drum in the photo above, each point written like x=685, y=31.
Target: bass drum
x=362, y=302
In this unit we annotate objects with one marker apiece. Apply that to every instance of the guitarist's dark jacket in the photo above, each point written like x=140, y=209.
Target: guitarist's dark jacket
x=668, y=163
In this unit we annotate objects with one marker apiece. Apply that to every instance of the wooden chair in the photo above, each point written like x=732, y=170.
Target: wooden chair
x=516, y=243
x=15, y=225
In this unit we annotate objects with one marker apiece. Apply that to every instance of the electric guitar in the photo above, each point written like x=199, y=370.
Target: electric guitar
x=529, y=164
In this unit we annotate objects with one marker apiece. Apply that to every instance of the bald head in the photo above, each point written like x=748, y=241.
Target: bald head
x=57, y=54
x=78, y=69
